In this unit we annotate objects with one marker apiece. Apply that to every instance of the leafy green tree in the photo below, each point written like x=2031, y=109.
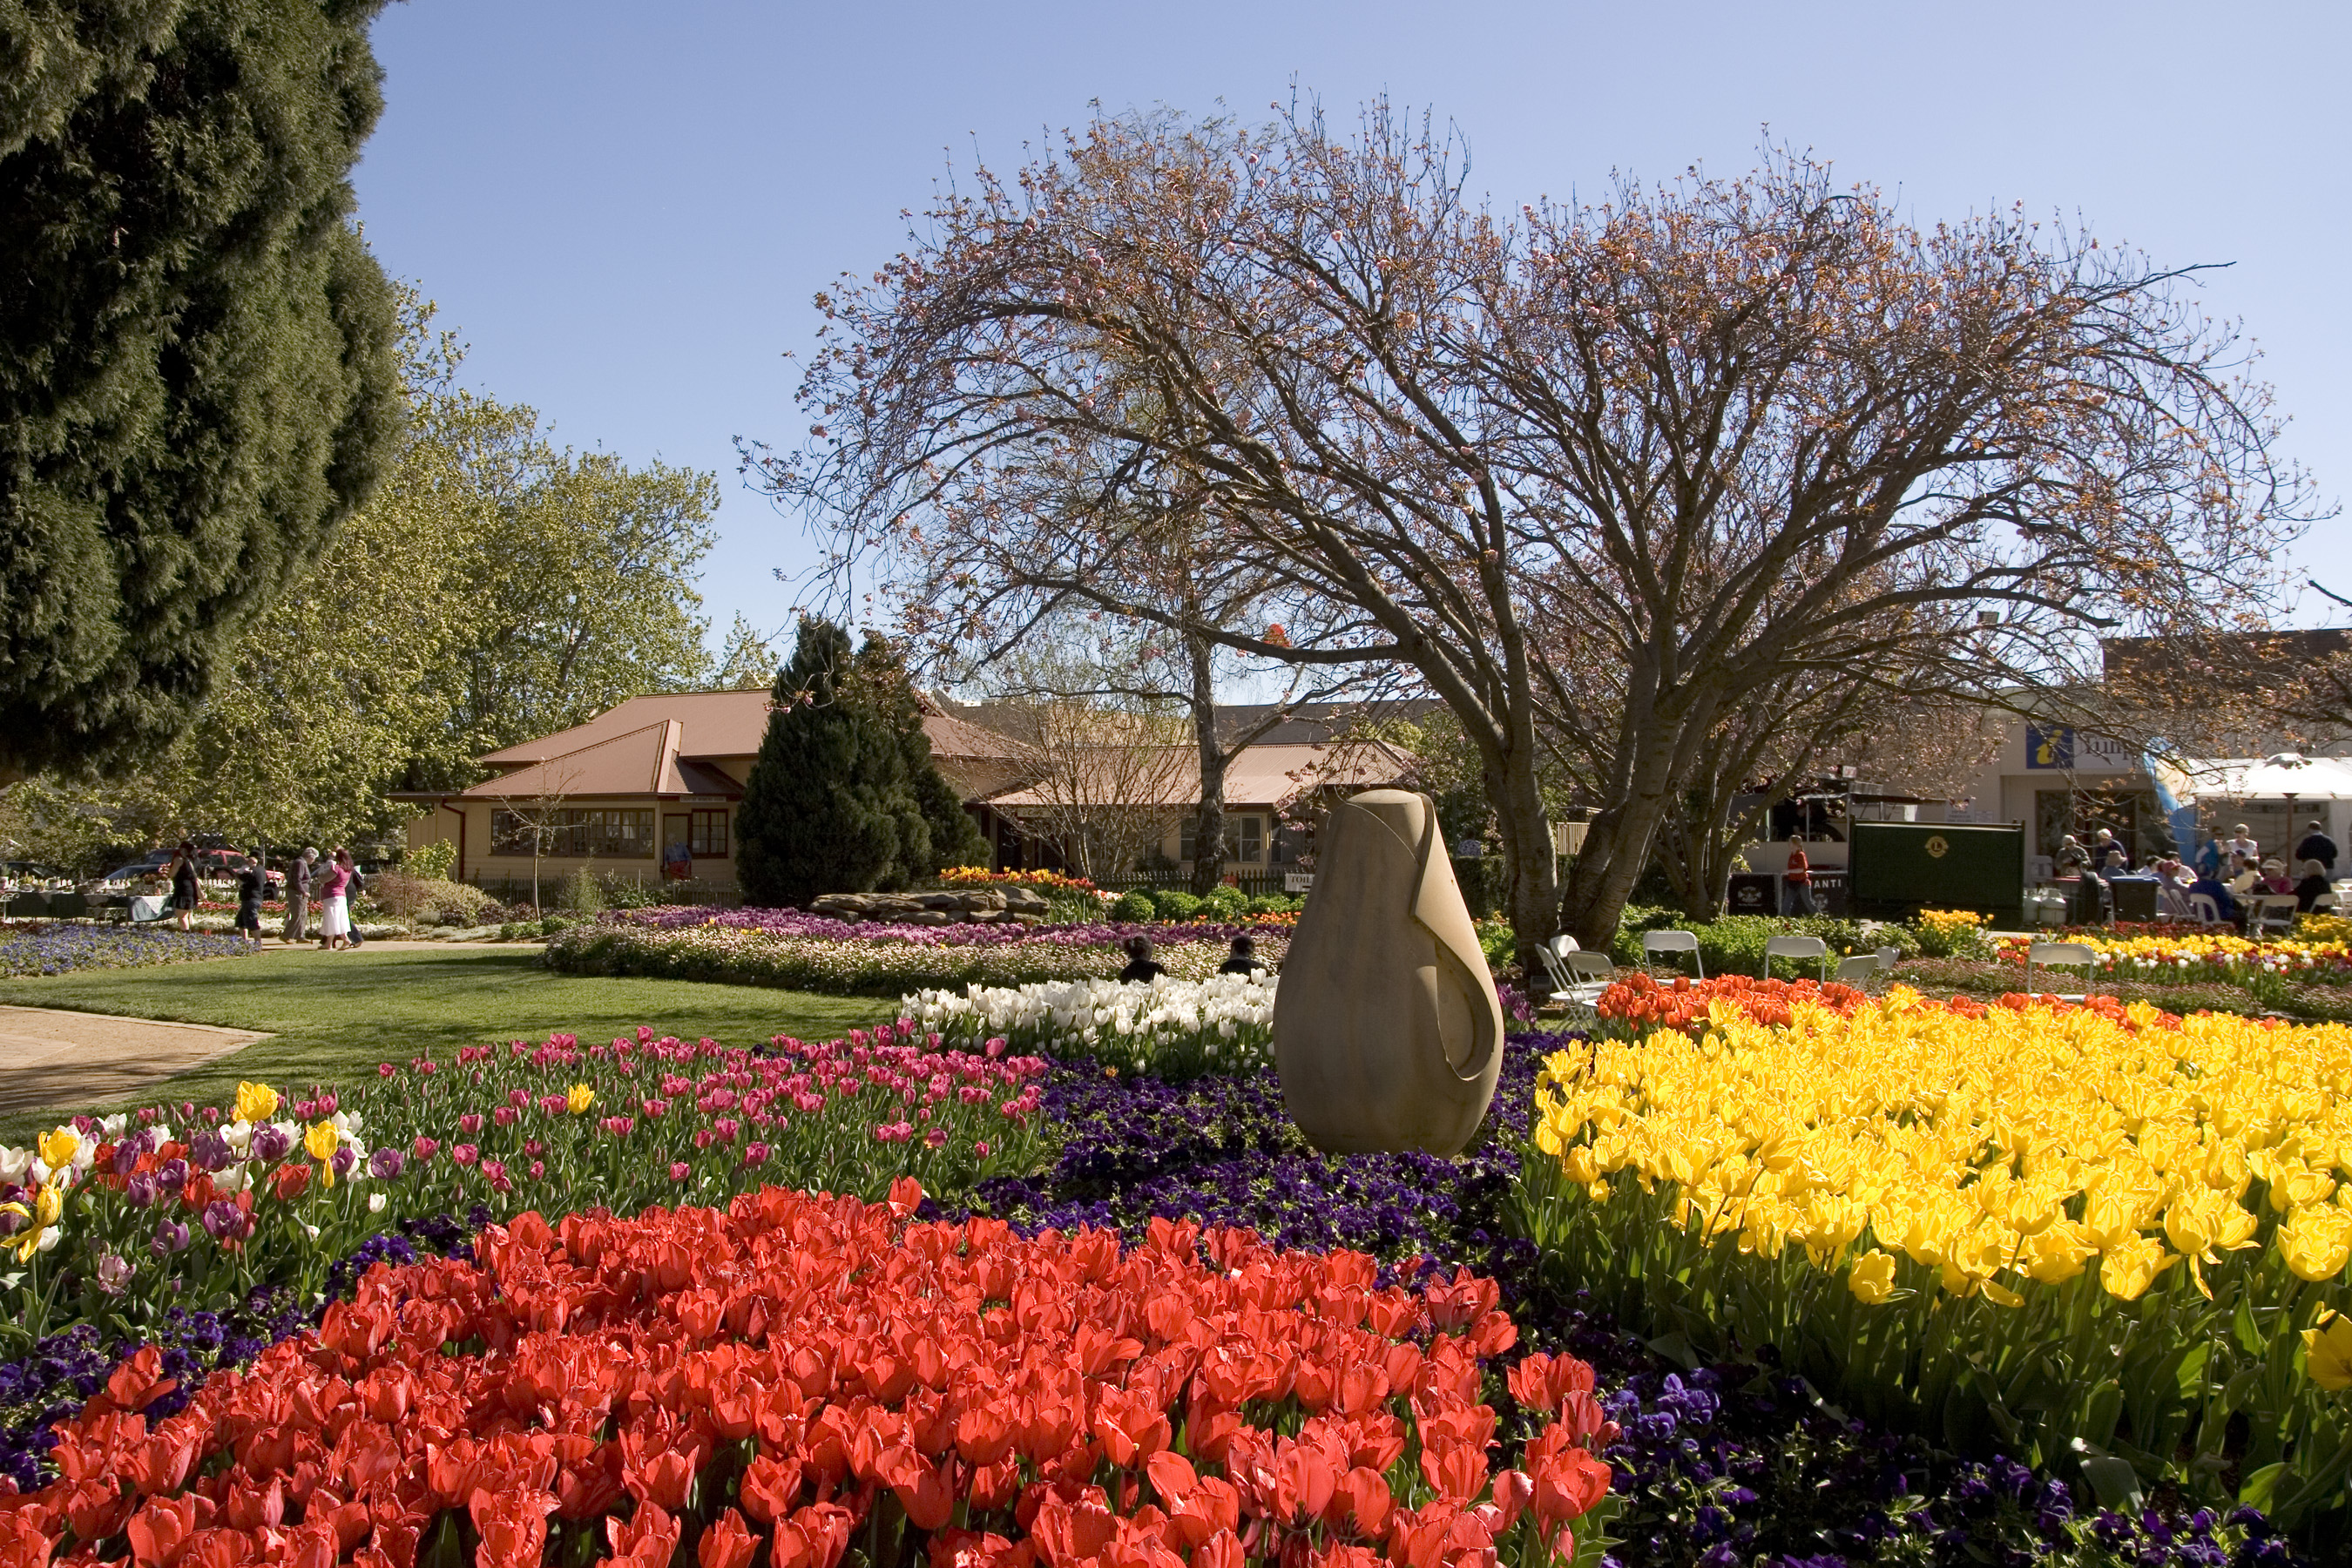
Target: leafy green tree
x=197, y=374
x=827, y=807
x=746, y=661
x=583, y=581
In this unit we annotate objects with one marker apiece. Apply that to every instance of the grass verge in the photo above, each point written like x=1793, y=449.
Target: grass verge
x=335, y=1017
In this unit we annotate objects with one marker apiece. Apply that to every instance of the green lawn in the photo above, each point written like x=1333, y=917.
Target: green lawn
x=334, y=1016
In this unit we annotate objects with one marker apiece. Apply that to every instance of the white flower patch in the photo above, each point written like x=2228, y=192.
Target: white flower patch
x=1172, y=1027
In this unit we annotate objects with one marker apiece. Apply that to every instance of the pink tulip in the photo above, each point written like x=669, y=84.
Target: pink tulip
x=465, y=1153
x=679, y=1171
x=426, y=1148
x=471, y=1124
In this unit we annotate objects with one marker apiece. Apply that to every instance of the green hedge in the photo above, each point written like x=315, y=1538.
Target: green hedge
x=1734, y=944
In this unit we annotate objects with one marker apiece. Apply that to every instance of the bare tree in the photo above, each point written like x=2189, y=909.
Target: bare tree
x=541, y=814
x=1104, y=783
x=1701, y=438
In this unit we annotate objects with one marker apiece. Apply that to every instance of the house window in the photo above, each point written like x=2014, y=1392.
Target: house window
x=1293, y=842
x=710, y=835
x=610, y=832
x=1244, y=839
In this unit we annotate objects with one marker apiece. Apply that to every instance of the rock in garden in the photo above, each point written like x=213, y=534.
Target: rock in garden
x=1386, y=1028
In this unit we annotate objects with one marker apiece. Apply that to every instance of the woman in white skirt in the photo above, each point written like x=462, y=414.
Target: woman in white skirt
x=335, y=903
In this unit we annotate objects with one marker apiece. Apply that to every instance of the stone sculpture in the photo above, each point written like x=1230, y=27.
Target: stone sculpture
x=1386, y=1027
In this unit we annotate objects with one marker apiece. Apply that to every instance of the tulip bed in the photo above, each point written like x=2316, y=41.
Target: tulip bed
x=1722, y=1464
x=815, y=952
x=1171, y=1028
x=2194, y=958
x=2109, y=1239
x=795, y=1375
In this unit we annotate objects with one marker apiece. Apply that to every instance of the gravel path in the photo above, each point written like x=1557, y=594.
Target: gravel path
x=48, y=1056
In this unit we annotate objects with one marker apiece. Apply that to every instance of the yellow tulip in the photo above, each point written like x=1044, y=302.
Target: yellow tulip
x=47, y=1208
x=2327, y=1353
x=581, y=1098
x=2128, y=1269
x=58, y=1149
x=256, y=1102
x=1871, y=1280
x=322, y=1140
x=2316, y=1243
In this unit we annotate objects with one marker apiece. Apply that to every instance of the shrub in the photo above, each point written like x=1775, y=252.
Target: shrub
x=620, y=892
x=431, y=901
x=1273, y=904
x=1224, y=901
x=431, y=862
x=1173, y=904
x=1735, y=943
x=582, y=895
x=1134, y=909
x=1073, y=907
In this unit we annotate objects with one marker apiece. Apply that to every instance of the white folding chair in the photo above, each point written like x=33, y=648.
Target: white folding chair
x=2203, y=910
x=1888, y=957
x=1800, y=947
x=2271, y=913
x=1578, y=979
x=2325, y=904
x=1858, y=970
x=1657, y=942
x=2064, y=956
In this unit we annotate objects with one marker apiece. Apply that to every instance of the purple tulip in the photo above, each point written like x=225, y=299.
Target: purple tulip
x=113, y=1273
x=210, y=1151
x=384, y=1164
x=172, y=1176
x=270, y=1144
x=169, y=1237
x=342, y=1160
x=126, y=1156
x=141, y=1190
x=226, y=1222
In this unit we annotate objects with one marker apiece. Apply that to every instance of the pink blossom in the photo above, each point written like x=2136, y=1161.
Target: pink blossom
x=679, y=1169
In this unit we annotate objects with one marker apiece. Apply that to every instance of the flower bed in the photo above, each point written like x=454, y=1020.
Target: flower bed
x=2094, y=1230
x=2193, y=958
x=1729, y=1464
x=1174, y=1029
x=227, y=1203
x=793, y=1373
x=61, y=948
x=815, y=952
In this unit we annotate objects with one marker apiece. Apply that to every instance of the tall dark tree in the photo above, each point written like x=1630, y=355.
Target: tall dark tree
x=952, y=838
x=197, y=369
x=827, y=807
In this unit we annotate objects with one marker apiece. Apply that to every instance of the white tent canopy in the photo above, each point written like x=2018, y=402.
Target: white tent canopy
x=2289, y=775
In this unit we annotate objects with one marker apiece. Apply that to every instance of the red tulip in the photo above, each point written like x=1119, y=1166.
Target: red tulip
x=727, y=1543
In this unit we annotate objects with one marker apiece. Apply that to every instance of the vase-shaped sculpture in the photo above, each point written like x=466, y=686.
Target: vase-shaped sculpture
x=1386, y=1026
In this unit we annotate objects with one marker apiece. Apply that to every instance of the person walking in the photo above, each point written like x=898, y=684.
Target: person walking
x=2317, y=846
x=184, y=882
x=298, y=896
x=334, y=905
x=352, y=901
x=252, y=881
x=1798, y=880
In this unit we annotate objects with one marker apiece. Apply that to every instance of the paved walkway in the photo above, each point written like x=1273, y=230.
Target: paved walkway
x=48, y=1056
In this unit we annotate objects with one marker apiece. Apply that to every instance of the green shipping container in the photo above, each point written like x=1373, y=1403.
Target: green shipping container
x=1898, y=869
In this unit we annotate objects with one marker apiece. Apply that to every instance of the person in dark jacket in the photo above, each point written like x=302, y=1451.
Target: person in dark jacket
x=252, y=882
x=1243, y=959
x=2313, y=883
x=183, y=883
x=2317, y=846
x=1140, y=970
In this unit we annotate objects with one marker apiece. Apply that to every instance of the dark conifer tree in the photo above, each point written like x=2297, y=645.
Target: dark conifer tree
x=827, y=807
x=197, y=368
x=953, y=838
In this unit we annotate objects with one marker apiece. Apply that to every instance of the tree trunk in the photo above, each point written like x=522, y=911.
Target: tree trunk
x=1209, y=817
x=1616, y=847
x=1531, y=869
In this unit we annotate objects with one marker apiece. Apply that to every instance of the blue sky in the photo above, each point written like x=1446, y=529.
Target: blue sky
x=626, y=208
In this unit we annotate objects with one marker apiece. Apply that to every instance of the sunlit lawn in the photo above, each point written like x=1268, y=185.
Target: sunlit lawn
x=334, y=1016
